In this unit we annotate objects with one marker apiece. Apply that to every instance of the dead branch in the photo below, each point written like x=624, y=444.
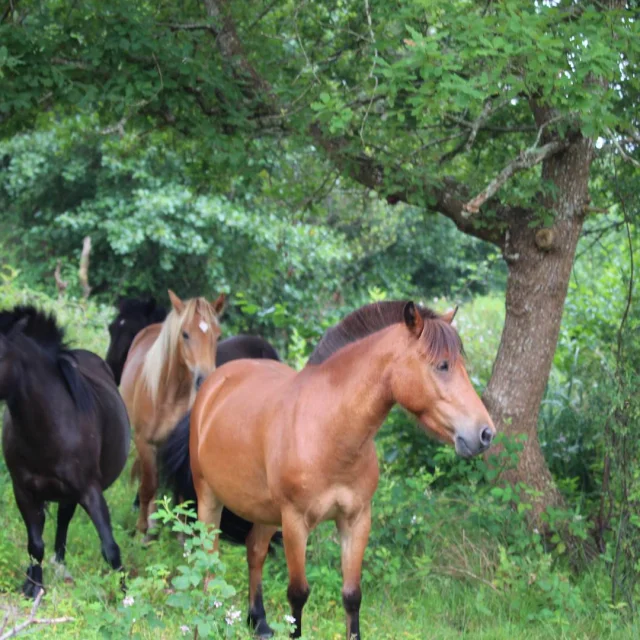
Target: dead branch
x=61, y=284
x=625, y=156
x=83, y=272
x=527, y=159
x=12, y=633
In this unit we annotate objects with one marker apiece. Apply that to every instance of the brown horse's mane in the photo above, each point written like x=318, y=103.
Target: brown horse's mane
x=162, y=358
x=439, y=337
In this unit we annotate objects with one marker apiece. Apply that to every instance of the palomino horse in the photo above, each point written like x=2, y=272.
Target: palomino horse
x=280, y=447
x=65, y=435
x=134, y=314
x=166, y=364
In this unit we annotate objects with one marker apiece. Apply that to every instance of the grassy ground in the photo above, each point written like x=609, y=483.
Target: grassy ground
x=404, y=605
x=413, y=592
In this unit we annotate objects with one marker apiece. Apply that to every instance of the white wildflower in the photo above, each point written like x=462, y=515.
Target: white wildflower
x=217, y=604
x=233, y=615
x=290, y=619
x=184, y=629
x=128, y=601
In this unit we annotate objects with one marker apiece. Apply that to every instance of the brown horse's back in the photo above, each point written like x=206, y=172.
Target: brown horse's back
x=230, y=435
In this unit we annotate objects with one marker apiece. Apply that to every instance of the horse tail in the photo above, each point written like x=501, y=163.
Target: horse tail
x=175, y=474
x=175, y=464
x=81, y=391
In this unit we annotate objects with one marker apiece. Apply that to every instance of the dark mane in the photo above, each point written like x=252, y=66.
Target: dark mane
x=129, y=307
x=439, y=337
x=42, y=329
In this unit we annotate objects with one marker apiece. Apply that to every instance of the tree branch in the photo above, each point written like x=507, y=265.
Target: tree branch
x=526, y=160
x=12, y=633
x=443, y=198
x=191, y=26
x=625, y=156
x=61, y=284
x=83, y=271
x=232, y=50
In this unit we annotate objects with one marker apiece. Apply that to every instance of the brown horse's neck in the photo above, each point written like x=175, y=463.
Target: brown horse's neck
x=360, y=376
x=176, y=385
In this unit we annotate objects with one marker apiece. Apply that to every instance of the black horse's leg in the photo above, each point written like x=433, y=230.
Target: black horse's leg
x=94, y=504
x=65, y=513
x=257, y=549
x=33, y=515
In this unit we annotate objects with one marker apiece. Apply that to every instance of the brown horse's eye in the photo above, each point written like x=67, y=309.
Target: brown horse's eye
x=185, y=335
x=443, y=366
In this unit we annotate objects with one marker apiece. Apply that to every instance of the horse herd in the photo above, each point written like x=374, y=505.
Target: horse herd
x=259, y=446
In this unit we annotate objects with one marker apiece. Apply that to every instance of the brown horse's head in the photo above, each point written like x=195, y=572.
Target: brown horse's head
x=189, y=338
x=197, y=330
x=431, y=381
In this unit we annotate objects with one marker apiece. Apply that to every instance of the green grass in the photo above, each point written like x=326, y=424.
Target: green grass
x=408, y=604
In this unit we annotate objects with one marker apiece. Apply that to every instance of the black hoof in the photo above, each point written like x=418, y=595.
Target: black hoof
x=33, y=584
x=262, y=629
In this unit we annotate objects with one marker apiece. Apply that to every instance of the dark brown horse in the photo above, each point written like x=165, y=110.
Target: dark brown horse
x=280, y=447
x=65, y=435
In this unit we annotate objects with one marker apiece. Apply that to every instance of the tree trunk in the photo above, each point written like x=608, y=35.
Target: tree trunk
x=540, y=263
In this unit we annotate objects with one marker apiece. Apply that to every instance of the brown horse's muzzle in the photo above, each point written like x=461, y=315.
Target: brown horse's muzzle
x=468, y=446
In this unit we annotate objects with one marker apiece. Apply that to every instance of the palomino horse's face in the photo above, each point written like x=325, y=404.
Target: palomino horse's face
x=431, y=381
x=199, y=333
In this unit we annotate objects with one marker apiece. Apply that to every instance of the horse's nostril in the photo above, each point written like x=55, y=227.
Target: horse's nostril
x=199, y=381
x=486, y=436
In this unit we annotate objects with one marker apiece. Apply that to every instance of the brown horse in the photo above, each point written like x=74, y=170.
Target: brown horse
x=294, y=449
x=165, y=366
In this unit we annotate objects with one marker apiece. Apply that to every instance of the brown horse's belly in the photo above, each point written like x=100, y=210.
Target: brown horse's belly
x=231, y=439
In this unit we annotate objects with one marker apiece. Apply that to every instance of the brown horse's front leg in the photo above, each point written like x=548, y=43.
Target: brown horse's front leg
x=257, y=548
x=148, y=481
x=295, y=533
x=354, y=535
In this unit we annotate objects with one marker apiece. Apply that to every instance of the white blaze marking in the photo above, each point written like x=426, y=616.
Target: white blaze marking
x=204, y=327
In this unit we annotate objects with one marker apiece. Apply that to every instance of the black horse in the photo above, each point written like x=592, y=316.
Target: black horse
x=65, y=435
x=134, y=315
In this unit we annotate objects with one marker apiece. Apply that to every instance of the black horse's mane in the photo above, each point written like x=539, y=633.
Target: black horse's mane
x=42, y=329
x=128, y=307
x=439, y=336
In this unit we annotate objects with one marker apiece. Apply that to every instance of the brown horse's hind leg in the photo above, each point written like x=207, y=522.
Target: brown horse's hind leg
x=295, y=533
x=209, y=512
x=257, y=549
x=354, y=535
x=148, y=481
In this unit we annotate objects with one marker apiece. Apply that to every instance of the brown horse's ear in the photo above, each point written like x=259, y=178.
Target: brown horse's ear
x=176, y=303
x=413, y=318
x=449, y=315
x=218, y=304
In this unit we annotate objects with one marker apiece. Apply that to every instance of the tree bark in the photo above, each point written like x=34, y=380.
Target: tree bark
x=540, y=263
